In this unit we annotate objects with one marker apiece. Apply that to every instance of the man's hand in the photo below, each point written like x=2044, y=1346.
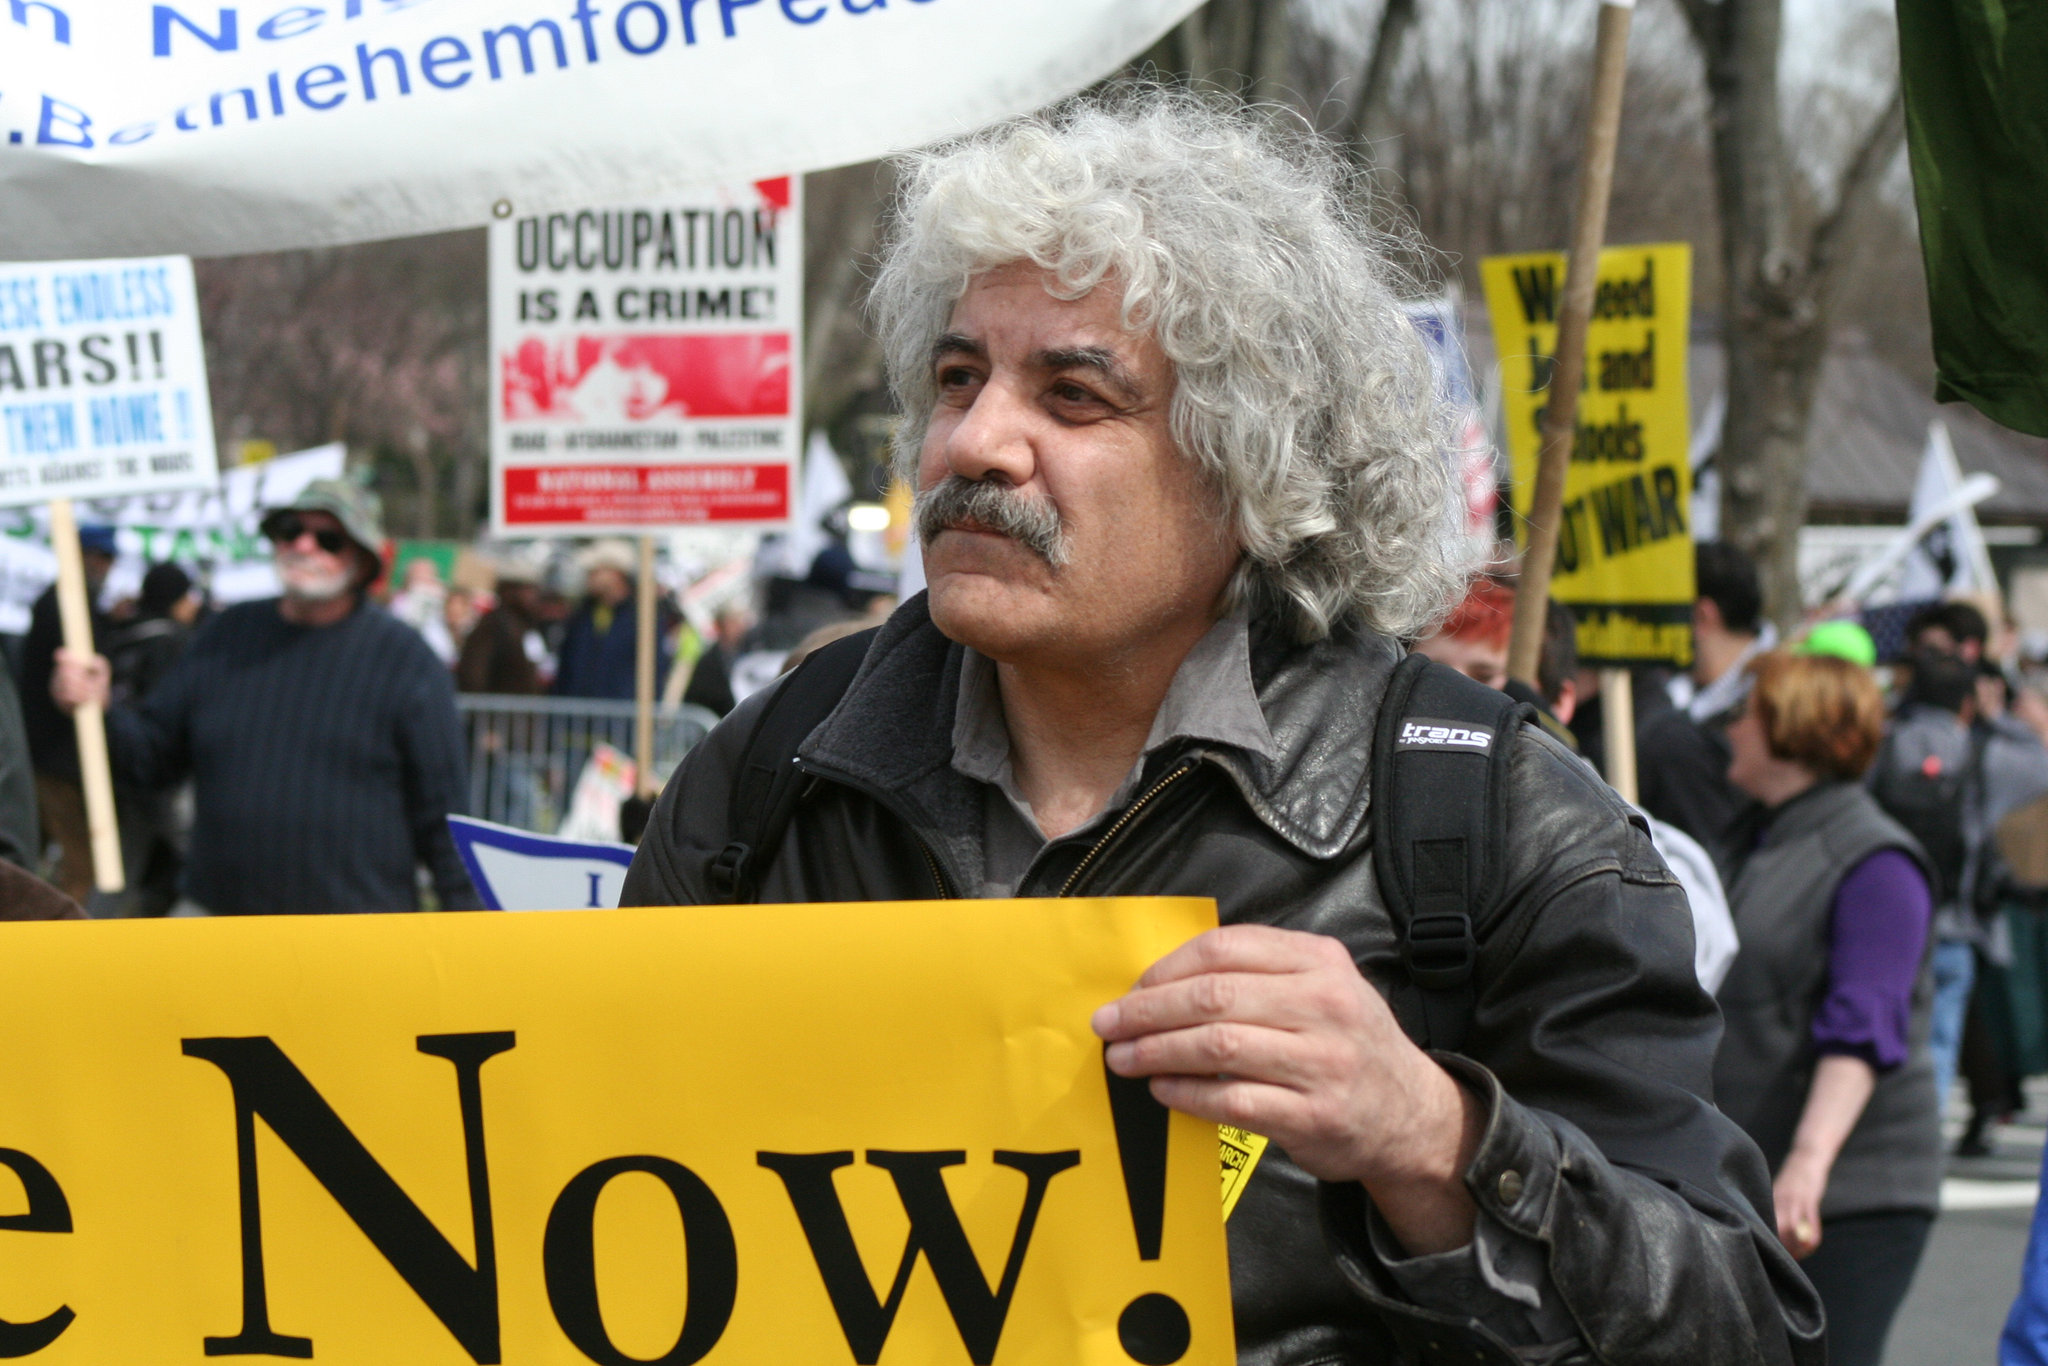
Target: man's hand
x=1275, y=1031
x=80, y=679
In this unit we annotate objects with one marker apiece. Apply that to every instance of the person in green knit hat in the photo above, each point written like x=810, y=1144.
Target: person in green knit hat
x=1842, y=639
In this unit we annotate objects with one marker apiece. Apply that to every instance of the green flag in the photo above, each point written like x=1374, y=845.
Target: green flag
x=1976, y=81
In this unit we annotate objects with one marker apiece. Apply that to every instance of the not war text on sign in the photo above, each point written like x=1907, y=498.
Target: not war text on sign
x=1624, y=554
x=102, y=380
x=647, y=361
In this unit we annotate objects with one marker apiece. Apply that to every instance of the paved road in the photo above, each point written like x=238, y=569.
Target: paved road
x=1967, y=1279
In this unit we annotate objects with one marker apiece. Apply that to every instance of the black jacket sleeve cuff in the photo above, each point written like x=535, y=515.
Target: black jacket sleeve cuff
x=1513, y=1179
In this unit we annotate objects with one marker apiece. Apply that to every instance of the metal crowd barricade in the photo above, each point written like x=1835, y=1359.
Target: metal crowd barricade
x=525, y=753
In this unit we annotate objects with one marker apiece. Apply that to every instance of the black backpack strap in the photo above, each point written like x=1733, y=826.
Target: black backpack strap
x=1439, y=794
x=765, y=795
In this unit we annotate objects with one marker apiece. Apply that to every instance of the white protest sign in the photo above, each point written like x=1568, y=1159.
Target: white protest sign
x=645, y=362
x=102, y=379
x=128, y=126
x=515, y=870
x=212, y=532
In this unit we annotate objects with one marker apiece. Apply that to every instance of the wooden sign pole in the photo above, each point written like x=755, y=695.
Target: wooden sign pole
x=1618, y=730
x=94, y=774
x=1560, y=419
x=643, y=674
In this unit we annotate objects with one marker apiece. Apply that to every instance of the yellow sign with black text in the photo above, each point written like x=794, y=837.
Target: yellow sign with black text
x=841, y=1133
x=1624, y=547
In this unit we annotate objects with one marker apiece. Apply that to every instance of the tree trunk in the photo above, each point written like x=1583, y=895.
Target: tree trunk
x=1775, y=308
x=1774, y=365
x=843, y=211
x=468, y=493
x=1769, y=322
x=1244, y=46
x=1396, y=20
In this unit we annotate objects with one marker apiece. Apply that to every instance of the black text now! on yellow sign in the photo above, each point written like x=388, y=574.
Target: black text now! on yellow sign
x=872, y=1132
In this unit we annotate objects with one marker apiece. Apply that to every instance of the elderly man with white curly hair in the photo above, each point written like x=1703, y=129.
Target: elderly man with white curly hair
x=1183, y=495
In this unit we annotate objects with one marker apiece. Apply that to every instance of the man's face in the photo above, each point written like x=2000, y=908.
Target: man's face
x=1483, y=660
x=608, y=585
x=98, y=565
x=310, y=570
x=1937, y=640
x=1054, y=403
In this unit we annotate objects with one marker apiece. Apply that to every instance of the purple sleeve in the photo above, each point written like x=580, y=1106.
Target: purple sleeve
x=1881, y=915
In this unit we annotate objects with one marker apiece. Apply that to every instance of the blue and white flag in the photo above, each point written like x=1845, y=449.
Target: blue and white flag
x=132, y=127
x=515, y=870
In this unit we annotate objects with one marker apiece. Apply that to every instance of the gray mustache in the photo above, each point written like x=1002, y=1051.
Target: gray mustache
x=1033, y=523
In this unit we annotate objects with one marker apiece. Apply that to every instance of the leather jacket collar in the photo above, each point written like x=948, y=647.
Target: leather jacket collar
x=892, y=733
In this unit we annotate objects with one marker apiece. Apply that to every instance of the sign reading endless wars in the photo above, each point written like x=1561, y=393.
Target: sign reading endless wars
x=1624, y=545
x=102, y=381
x=646, y=362
x=858, y=1133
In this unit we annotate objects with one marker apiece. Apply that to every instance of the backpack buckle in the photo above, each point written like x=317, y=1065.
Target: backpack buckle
x=1439, y=950
x=728, y=870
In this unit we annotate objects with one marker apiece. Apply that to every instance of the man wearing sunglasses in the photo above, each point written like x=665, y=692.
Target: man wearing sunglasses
x=319, y=731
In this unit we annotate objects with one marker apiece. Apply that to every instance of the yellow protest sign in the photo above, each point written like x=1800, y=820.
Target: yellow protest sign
x=1624, y=546
x=843, y=1133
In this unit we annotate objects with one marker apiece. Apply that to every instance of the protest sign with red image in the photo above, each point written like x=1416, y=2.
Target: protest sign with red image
x=646, y=362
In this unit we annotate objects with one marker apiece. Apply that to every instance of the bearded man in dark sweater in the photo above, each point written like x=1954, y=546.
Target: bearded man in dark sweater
x=320, y=733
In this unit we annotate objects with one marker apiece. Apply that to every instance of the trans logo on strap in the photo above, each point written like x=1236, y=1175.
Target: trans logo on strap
x=1427, y=732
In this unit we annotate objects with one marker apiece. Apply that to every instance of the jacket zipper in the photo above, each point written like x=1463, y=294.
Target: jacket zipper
x=1131, y=813
x=931, y=861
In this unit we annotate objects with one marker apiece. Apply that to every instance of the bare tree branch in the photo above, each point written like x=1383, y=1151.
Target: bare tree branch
x=1874, y=153
x=1395, y=20
x=1193, y=39
x=1272, y=56
x=1705, y=17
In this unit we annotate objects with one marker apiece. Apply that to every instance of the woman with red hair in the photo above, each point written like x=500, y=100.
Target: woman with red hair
x=1824, y=1060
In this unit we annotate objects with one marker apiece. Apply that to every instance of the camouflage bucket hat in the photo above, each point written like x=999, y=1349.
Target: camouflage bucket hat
x=360, y=512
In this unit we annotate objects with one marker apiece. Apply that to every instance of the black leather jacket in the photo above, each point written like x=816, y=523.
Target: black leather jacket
x=1591, y=1040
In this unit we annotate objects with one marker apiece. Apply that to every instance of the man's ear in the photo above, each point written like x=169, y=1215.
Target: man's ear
x=1566, y=702
x=368, y=567
x=1706, y=616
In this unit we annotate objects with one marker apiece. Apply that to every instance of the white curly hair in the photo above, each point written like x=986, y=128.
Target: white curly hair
x=1244, y=244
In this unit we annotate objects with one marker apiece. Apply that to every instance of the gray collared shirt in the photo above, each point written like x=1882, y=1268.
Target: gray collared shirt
x=1212, y=698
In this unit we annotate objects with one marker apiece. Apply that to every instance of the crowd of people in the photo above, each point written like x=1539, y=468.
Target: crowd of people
x=208, y=764
x=1181, y=502
x=1853, y=835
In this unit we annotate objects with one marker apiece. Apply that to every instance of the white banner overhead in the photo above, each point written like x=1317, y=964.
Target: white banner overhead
x=129, y=127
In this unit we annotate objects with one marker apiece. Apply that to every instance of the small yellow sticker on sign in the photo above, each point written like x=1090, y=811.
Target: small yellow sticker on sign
x=872, y=1132
x=1241, y=1150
